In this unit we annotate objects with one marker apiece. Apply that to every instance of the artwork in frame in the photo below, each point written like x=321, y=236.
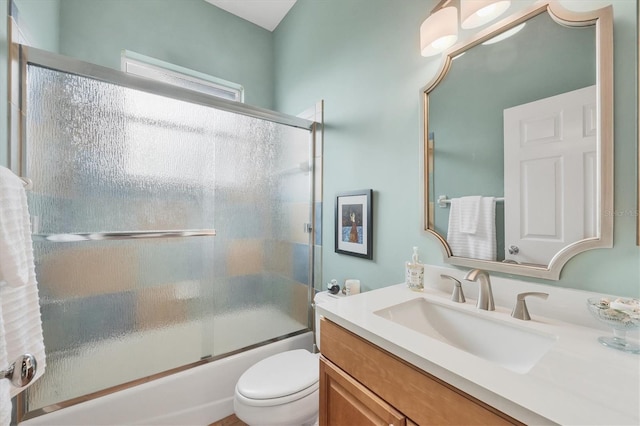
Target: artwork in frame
x=354, y=223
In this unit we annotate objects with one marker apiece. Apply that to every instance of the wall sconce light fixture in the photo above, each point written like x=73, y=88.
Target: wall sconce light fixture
x=440, y=30
x=474, y=13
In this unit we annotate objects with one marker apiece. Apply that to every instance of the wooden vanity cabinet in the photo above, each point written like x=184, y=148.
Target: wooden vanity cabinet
x=362, y=384
x=348, y=402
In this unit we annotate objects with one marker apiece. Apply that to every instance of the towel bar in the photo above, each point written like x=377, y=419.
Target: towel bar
x=28, y=183
x=23, y=374
x=443, y=200
x=123, y=235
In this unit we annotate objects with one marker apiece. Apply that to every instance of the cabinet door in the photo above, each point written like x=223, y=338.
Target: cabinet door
x=344, y=401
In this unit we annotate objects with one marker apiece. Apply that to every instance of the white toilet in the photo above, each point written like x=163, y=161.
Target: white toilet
x=283, y=388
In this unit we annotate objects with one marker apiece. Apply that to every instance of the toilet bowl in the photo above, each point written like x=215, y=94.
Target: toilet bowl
x=282, y=389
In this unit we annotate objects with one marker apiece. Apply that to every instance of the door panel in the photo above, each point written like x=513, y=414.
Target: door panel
x=550, y=175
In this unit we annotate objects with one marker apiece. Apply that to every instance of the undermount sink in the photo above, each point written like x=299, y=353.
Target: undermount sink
x=512, y=347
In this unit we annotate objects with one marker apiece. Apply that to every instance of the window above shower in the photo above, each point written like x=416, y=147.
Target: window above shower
x=155, y=69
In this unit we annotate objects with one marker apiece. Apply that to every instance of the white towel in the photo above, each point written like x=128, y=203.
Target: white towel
x=20, y=323
x=469, y=211
x=482, y=243
x=16, y=254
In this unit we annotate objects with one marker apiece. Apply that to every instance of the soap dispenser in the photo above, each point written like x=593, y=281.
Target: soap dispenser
x=414, y=276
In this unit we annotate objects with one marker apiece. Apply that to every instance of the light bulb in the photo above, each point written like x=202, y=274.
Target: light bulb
x=444, y=42
x=487, y=11
x=474, y=13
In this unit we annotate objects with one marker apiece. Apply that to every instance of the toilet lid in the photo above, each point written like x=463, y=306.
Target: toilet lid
x=280, y=375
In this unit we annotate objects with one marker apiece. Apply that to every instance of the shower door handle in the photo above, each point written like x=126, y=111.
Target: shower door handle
x=124, y=235
x=21, y=371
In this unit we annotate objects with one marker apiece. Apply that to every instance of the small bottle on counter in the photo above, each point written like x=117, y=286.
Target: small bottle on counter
x=352, y=287
x=414, y=272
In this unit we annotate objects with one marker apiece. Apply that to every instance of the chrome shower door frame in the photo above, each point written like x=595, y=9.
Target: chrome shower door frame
x=21, y=56
x=29, y=55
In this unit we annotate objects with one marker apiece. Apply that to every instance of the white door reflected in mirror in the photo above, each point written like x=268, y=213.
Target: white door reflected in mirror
x=550, y=180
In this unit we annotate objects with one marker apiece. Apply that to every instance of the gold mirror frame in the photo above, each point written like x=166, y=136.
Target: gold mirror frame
x=603, y=21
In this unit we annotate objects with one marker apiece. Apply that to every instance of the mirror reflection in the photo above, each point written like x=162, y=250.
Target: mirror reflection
x=513, y=146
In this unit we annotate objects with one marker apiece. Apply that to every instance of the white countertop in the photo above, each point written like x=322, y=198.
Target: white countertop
x=578, y=382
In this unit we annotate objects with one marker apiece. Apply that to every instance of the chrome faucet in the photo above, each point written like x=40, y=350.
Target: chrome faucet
x=485, y=295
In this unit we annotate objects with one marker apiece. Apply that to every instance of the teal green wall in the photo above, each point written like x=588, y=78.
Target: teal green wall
x=362, y=57
x=39, y=23
x=189, y=33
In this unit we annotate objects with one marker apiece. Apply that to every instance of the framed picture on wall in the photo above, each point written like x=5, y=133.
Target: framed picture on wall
x=354, y=223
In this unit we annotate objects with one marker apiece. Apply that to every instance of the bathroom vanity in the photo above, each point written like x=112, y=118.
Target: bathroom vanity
x=361, y=382
x=380, y=363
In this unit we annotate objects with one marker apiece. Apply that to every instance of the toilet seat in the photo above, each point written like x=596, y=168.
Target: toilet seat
x=271, y=382
x=276, y=401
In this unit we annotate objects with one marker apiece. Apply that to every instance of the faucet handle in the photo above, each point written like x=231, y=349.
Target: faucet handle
x=520, y=311
x=457, y=295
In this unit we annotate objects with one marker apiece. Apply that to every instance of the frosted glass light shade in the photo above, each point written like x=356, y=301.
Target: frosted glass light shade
x=474, y=13
x=439, y=31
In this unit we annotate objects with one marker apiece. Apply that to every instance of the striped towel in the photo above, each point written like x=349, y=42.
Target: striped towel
x=20, y=323
x=465, y=213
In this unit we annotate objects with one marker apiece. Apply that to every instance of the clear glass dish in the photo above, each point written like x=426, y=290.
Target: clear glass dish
x=620, y=320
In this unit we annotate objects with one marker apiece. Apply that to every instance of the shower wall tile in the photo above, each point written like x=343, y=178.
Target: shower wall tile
x=280, y=257
x=301, y=263
x=74, y=323
x=79, y=270
x=170, y=213
x=298, y=302
x=245, y=257
x=237, y=293
x=158, y=308
x=241, y=218
x=175, y=260
x=297, y=216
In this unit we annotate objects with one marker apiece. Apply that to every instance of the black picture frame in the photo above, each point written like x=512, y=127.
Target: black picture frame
x=354, y=223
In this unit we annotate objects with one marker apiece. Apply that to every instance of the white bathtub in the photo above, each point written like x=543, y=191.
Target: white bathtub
x=198, y=396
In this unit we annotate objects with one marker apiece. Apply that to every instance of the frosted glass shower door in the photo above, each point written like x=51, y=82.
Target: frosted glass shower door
x=128, y=186
x=262, y=257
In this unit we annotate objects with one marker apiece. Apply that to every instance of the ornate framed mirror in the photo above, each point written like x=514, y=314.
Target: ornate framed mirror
x=518, y=143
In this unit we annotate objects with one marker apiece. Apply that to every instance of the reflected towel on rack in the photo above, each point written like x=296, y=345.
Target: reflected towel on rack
x=20, y=322
x=469, y=211
x=482, y=243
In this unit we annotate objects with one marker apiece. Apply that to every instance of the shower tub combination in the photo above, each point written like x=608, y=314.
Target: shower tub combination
x=196, y=396
x=171, y=234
